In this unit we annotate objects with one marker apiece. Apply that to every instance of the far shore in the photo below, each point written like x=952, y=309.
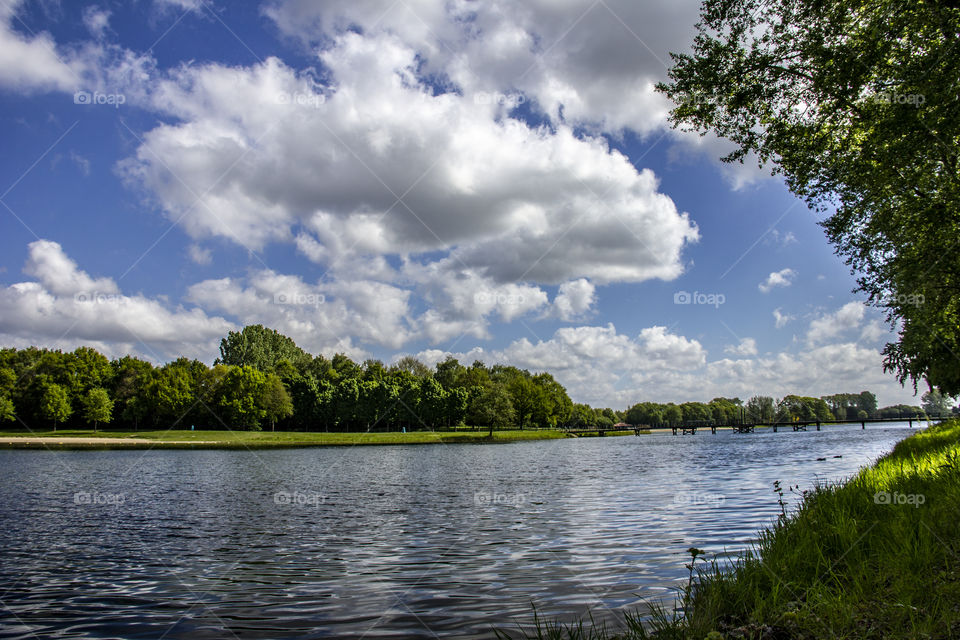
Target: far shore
x=182, y=439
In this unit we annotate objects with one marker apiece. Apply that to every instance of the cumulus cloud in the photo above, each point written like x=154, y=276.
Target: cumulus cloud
x=200, y=255
x=574, y=299
x=324, y=317
x=746, y=347
x=782, y=278
x=602, y=367
x=65, y=307
x=781, y=319
x=379, y=164
x=874, y=331
x=33, y=62
x=830, y=325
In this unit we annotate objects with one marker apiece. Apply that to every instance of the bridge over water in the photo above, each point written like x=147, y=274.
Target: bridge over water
x=740, y=426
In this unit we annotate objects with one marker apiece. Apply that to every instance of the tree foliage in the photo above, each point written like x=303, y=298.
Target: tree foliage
x=97, y=407
x=855, y=104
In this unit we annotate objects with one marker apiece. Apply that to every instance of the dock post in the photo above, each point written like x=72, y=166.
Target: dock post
x=774, y=428
x=911, y=423
x=818, y=425
x=863, y=425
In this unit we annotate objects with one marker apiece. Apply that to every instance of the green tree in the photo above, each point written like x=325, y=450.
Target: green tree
x=867, y=403
x=494, y=408
x=855, y=104
x=97, y=407
x=672, y=414
x=262, y=348
x=412, y=366
x=238, y=399
x=130, y=376
x=449, y=373
x=760, y=409
x=276, y=401
x=935, y=403
x=55, y=404
x=7, y=413
x=647, y=413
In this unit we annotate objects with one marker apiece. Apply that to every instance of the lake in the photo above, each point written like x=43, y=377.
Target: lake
x=389, y=541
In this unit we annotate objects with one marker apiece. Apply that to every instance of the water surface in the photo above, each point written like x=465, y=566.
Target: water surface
x=384, y=542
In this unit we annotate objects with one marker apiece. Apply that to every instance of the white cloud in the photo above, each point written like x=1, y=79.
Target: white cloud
x=875, y=330
x=324, y=317
x=782, y=278
x=200, y=255
x=96, y=20
x=82, y=163
x=32, y=63
x=60, y=275
x=574, y=299
x=261, y=149
x=180, y=5
x=781, y=319
x=830, y=325
x=746, y=347
x=604, y=368
x=66, y=307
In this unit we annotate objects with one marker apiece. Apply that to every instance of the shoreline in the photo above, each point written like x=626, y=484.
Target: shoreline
x=73, y=440
x=871, y=557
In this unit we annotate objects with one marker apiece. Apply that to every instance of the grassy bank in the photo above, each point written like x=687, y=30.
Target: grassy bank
x=875, y=557
x=249, y=439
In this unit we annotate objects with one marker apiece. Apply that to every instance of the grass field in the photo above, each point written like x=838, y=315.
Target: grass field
x=875, y=557
x=70, y=438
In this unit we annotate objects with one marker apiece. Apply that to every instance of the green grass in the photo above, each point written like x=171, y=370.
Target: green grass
x=844, y=564
x=249, y=439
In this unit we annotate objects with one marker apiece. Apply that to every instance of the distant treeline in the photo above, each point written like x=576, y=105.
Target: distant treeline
x=761, y=409
x=263, y=379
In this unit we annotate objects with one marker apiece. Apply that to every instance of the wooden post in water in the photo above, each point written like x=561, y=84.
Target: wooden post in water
x=774, y=427
x=818, y=425
x=863, y=425
x=911, y=423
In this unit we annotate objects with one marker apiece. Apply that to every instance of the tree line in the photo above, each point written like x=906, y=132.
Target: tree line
x=790, y=408
x=262, y=379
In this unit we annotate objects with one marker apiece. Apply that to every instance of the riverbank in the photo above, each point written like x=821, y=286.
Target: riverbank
x=875, y=557
x=178, y=439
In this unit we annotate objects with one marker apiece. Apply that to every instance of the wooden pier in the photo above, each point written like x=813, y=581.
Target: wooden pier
x=691, y=428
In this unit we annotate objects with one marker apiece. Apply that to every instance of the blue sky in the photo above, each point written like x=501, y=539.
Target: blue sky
x=493, y=180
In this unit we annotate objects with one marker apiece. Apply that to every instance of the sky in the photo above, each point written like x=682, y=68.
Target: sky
x=493, y=180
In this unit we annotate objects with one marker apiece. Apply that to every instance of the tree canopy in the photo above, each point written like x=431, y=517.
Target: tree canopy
x=855, y=104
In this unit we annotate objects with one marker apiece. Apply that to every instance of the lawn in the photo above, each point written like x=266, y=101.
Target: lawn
x=69, y=438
